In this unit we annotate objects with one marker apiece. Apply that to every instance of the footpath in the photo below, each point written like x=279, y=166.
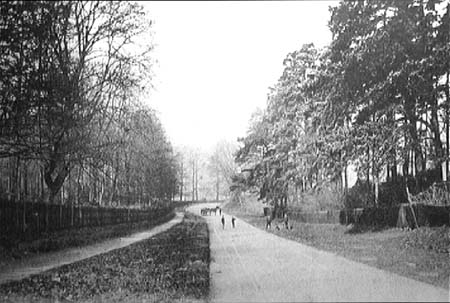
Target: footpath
x=251, y=265
x=29, y=266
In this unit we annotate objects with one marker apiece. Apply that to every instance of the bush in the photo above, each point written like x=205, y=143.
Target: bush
x=359, y=195
x=370, y=216
x=390, y=193
x=427, y=215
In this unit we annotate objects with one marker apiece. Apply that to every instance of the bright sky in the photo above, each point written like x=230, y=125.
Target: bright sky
x=216, y=61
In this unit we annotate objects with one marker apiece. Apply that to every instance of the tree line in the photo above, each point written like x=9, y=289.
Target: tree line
x=205, y=175
x=376, y=98
x=73, y=127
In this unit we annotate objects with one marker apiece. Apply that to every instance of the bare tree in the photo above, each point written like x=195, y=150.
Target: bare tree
x=222, y=165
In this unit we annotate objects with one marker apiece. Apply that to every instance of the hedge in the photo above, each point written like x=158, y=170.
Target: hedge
x=426, y=215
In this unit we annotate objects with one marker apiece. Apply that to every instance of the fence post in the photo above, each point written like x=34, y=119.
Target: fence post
x=411, y=206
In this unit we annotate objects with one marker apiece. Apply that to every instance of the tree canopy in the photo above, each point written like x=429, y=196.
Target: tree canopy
x=377, y=98
x=73, y=77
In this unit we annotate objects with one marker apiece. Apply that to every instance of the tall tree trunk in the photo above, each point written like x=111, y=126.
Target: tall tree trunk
x=54, y=184
x=24, y=183
x=102, y=188
x=369, y=189
x=15, y=180
x=181, y=181
x=42, y=182
x=78, y=187
x=437, y=143
x=447, y=131
x=196, y=182
x=377, y=186
x=345, y=179
x=388, y=173
x=394, y=168
x=405, y=166
x=217, y=186
x=193, y=180
x=114, y=183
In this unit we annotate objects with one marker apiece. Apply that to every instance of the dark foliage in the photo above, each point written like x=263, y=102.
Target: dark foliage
x=391, y=193
x=175, y=263
x=377, y=217
x=13, y=248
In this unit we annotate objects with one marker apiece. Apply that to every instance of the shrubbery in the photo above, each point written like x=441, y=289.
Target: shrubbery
x=390, y=193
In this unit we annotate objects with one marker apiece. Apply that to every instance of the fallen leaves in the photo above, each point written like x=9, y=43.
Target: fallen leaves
x=11, y=249
x=174, y=264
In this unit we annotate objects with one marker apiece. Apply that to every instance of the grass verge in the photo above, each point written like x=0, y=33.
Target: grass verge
x=421, y=254
x=170, y=267
x=74, y=237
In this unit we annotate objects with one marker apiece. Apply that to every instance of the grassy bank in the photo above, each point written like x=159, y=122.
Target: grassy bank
x=421, y=254
x=72, y=238
x=172, y=266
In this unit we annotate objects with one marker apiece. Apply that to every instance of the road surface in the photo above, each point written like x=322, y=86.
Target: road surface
x=42, y=262
x=251, y=265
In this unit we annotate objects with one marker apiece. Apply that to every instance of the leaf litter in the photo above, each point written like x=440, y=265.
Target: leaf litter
x=173, y=265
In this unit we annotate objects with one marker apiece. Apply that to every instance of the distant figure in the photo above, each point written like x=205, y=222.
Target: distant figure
x=233, y=219
x=223, y=222
x=268, y=222
x=220, y=211
x=286, y=221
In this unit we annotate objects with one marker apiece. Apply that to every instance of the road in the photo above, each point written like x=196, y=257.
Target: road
x=251, y=265
x=42, y=262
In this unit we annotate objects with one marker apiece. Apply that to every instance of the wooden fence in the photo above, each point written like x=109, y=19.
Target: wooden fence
x=27, y=220
x=318, y=217
x=370, y=216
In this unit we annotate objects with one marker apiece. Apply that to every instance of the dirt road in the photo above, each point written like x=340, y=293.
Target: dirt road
x=250, y=265
x=42, y=262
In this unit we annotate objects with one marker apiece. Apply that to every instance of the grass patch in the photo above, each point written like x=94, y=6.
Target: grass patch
x=172, y=266
x=421, y=254
x=73, y=237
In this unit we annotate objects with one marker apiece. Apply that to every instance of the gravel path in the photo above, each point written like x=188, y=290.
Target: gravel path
x=42, y=262
x=250, y=265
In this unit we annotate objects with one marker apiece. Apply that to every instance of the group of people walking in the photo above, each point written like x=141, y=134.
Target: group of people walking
x=206, y=211
x=233, y=221
x=269, y=218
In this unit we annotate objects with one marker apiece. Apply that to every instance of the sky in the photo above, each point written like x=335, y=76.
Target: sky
x=217, y=60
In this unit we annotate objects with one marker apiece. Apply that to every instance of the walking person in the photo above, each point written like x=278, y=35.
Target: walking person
x=220, y=211
x=223, y=222
x=268, y=221
x=233, y=219
x=286, y=220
